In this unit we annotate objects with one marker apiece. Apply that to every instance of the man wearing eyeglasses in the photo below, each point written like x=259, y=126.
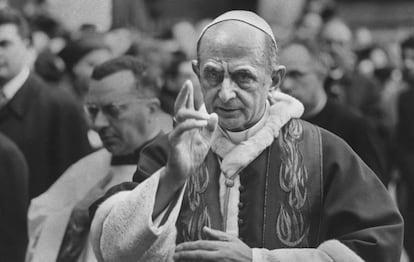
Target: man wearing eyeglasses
x=124, y=108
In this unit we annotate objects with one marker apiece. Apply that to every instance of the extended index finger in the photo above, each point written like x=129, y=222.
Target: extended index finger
x=190, y=100
x=182, y=98
x=198, y=96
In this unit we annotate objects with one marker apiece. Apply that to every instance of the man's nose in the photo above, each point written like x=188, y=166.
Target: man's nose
x=100, y=120
x=227, y=91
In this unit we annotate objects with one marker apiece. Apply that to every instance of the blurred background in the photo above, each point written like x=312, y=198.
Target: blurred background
x=70, y=37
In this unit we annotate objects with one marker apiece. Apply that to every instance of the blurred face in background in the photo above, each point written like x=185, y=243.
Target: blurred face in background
x=335, y=34
x=303, y=80
x=336, y=40
x=84, y=67
x=118, y=113
x=408, y=64
x=310, y=26
x=13, y=52
x=184, y=72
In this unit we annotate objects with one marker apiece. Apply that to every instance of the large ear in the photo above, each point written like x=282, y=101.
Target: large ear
x=196, y=69
x=278, y=74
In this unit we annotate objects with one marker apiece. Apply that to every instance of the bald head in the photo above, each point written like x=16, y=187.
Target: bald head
x=246, y=17
x=231, y=38
x=235, y=26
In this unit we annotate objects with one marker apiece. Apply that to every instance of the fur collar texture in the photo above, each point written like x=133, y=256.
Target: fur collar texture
x=236, y=157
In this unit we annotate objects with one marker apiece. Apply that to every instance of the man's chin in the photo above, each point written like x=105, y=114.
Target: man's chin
x=111, y=147
x=230, y=125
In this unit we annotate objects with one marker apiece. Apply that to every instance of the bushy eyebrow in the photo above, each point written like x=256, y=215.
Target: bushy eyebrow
x=219, y=67
x=212, y=66
x=246, y=69
x=209, y=69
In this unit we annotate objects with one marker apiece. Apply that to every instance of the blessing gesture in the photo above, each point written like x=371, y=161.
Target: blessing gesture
x=190, y=141
x=191, y=138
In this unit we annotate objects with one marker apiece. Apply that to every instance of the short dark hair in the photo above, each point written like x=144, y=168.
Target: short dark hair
x=408, y=42
x=148, y=78
x=12, y=16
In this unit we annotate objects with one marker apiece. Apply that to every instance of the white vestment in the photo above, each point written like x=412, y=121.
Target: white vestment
x=49, y=213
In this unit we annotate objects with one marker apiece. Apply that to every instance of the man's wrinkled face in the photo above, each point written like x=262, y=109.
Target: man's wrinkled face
x=301, y=80
x=234, y=74
x=118, y=113
x=13, y=52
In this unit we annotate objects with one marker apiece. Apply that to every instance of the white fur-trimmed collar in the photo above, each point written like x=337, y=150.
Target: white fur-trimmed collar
x=236, y=157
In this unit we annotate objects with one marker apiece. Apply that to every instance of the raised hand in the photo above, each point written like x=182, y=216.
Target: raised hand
x=190, y=141
x=222, y=248
x=191, y=138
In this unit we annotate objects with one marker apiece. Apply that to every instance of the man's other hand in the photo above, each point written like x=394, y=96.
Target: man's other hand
x=221, y=248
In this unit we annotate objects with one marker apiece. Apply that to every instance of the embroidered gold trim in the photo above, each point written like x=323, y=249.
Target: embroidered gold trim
x=293, y=176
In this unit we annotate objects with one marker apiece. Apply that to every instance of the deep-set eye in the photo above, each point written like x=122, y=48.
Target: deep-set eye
x=243, y=77
x=112, y=110
x=92, y=110
x=213, y=76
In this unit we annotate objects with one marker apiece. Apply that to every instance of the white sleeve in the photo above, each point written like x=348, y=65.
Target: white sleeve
x=46, y=228
x=123, y=229
x=329, y=251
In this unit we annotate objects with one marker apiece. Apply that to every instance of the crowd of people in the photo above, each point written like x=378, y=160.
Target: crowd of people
x=214, y=141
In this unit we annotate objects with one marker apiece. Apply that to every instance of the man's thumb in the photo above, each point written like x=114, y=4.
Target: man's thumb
x=212, y=122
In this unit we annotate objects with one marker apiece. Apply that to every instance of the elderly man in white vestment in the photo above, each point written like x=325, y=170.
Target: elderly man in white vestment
x=245, y=179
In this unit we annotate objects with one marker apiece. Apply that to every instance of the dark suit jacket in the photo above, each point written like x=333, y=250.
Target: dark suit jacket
x=405, y=135
x=14, y=200
x=358, y=92
x=49, y=127
x=357, y=132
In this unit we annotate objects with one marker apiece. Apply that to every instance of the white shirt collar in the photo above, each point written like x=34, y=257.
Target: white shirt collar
x=10, y=88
